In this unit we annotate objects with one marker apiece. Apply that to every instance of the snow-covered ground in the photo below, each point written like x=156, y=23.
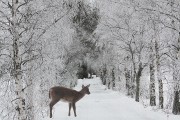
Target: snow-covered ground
x=104, y=104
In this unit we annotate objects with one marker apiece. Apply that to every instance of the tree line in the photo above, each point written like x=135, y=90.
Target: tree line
x=140, y=42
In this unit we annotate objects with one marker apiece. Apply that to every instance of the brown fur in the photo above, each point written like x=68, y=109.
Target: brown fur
x=66, y=95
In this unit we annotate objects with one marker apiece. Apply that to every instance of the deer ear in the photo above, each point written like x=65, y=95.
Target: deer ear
x=88, y=85
x=82, y=86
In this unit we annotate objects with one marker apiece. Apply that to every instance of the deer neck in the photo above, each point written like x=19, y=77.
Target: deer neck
x=82, y=94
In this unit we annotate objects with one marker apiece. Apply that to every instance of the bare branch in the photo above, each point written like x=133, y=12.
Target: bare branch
x=49, y=26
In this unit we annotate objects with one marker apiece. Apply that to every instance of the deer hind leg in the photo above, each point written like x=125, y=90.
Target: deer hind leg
x=52, y=103
x=69, y=109
x=74, y=108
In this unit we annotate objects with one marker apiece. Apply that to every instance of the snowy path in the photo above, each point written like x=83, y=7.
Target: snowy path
x=104, y=104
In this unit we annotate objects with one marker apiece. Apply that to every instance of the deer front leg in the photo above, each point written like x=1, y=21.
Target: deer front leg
x=69, y=109
x=74, y=108
x=52, y=103
x=50, y=106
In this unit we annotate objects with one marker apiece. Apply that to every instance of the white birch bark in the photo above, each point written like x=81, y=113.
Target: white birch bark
x=30, y=91
x=20, y=102
x=176, y=73
x=159, y=76
x=152, y=77
x=175, y=65
x=158, y=65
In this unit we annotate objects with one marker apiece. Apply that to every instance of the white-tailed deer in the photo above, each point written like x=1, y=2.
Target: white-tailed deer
x=66, y=95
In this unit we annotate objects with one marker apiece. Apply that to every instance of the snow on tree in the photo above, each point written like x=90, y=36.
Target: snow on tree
x=130, y=44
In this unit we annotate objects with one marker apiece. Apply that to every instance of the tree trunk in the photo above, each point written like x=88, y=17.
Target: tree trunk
x=113, y=79
x=104, y=75
x=127, y=76
x=176, y=67
x=101, y=74
x=159, y=78
x=30, y=89
x=138, y=76
x=176, y=105
x=137, y=88
x=30, y=98
x=152, y=79
x=133, y=79
x=20, y=102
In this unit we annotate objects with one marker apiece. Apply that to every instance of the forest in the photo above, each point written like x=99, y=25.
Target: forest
x=133, y=46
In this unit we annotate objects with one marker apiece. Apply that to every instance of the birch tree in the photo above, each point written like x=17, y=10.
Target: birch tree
x=25, y=29
x=20, y=107
x=157, y=18
x=159, y=73
x=152, y=76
